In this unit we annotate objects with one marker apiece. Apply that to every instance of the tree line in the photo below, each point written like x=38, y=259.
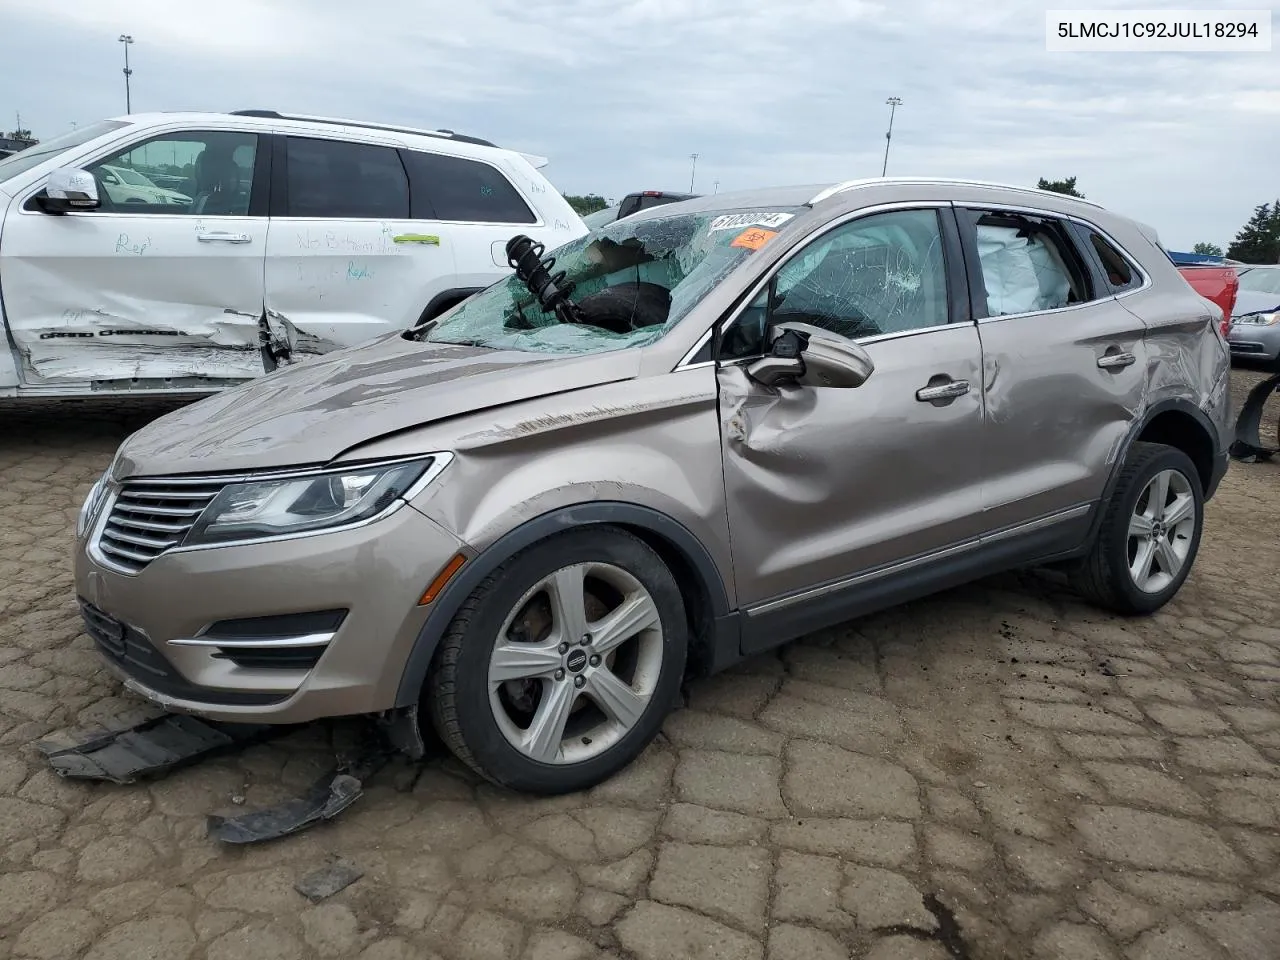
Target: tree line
x=1258, y=241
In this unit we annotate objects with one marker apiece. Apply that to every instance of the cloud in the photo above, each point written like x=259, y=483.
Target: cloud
x=765, y=91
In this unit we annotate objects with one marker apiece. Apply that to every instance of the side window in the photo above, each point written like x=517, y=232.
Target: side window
x=337, y=180
x=1119, y=271
x=881, y=274
x=204, y=174
x=1028, y=264
x=451, y=188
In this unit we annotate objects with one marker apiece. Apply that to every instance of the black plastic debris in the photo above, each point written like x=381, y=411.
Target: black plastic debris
x=325, y=882
x=327, y=797
x=1247, y=446
x=148, y=748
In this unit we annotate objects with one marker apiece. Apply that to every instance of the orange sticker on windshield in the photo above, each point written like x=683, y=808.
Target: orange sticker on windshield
x=753, y=239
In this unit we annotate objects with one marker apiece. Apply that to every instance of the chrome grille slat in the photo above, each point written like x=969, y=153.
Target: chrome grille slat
x=172, y=493
x=116, y=551
x=153, y=526
x=147, y=518
x=158, y=511
x=138, y=540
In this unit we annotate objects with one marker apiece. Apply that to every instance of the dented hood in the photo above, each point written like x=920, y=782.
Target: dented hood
x=309, y=413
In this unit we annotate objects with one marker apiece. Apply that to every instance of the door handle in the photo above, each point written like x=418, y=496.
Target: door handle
x=222, y=237
x=943, y=391
x=1116, y=361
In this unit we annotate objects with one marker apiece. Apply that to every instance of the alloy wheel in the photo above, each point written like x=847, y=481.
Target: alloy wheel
x=576, y=663
x=1161, y=530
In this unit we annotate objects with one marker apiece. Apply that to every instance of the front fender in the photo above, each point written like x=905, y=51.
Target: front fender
x=446, y=605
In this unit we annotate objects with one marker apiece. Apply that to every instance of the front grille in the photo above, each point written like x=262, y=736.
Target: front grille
x=149, y=517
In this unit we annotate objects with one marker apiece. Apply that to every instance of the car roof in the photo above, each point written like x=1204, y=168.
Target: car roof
x=305, y=122
x=839, y=194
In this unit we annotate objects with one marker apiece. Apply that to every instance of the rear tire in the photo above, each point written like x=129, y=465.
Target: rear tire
x=531, y=687
x=1149, y=536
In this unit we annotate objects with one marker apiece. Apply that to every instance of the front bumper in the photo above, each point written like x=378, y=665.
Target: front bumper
x=1253, y=342
x=153, y=628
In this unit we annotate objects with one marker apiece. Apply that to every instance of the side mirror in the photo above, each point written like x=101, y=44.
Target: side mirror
x=812, y=357
x=69, y=189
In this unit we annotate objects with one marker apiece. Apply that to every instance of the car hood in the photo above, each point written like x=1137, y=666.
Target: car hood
x=1254, y=301
x=312, y=412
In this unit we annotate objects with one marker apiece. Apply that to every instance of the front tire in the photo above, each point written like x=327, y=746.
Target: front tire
x=561, y=666
x=1149, y=536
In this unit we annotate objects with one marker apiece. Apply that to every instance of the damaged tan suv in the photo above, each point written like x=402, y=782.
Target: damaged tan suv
x=681, y=440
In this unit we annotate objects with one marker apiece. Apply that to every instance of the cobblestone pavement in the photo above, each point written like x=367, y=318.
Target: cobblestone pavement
x=996, y=772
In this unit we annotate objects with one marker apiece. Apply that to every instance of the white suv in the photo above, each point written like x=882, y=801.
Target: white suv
x=269, y=238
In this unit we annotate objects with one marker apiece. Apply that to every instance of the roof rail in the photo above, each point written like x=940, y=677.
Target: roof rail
x=949, y=181
x=339, y=121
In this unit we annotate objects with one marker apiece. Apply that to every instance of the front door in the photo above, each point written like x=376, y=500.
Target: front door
x=823, y=484
x=1065, y=366
x=161, y=286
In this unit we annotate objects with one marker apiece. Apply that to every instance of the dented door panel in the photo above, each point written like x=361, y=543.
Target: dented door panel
x=334, y=284
x=106, y=296
x=1056, y=420
x=823, y=483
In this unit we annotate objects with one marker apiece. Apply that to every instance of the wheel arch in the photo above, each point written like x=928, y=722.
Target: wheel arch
x=1177, y=423
x=713, y=639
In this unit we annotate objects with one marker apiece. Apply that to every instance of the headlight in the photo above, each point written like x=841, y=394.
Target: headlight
x=256, y=509
x=89, y=509
x=1260, y=319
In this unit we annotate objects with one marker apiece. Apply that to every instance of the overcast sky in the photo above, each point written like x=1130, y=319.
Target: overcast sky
x=619, y=93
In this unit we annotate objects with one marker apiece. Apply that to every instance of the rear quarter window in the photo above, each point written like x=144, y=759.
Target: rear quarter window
x=458, y=189
x=1117, y=268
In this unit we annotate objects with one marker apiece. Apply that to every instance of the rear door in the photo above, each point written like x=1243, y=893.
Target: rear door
x=1064, y=365
x=161, y=287
x=345, y=259
x=477, y=206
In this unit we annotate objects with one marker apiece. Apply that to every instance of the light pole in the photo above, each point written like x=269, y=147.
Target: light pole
x=894, y=103
x=126, y=39
x=692, y=170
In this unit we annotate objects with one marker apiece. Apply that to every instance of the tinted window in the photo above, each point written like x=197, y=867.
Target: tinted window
x=205, y=174
x=1120, y=274
x=337, y=180
x=451, y=188
x=1028, y=264
x=881, y=274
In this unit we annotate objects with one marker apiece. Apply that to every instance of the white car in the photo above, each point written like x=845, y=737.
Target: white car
x=291, y=236
x=126, y=185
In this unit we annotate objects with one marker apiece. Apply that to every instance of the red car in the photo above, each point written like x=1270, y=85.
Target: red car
x=1219, y=284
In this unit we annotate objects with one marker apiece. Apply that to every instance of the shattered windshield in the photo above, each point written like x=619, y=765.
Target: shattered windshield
x=631, y=281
